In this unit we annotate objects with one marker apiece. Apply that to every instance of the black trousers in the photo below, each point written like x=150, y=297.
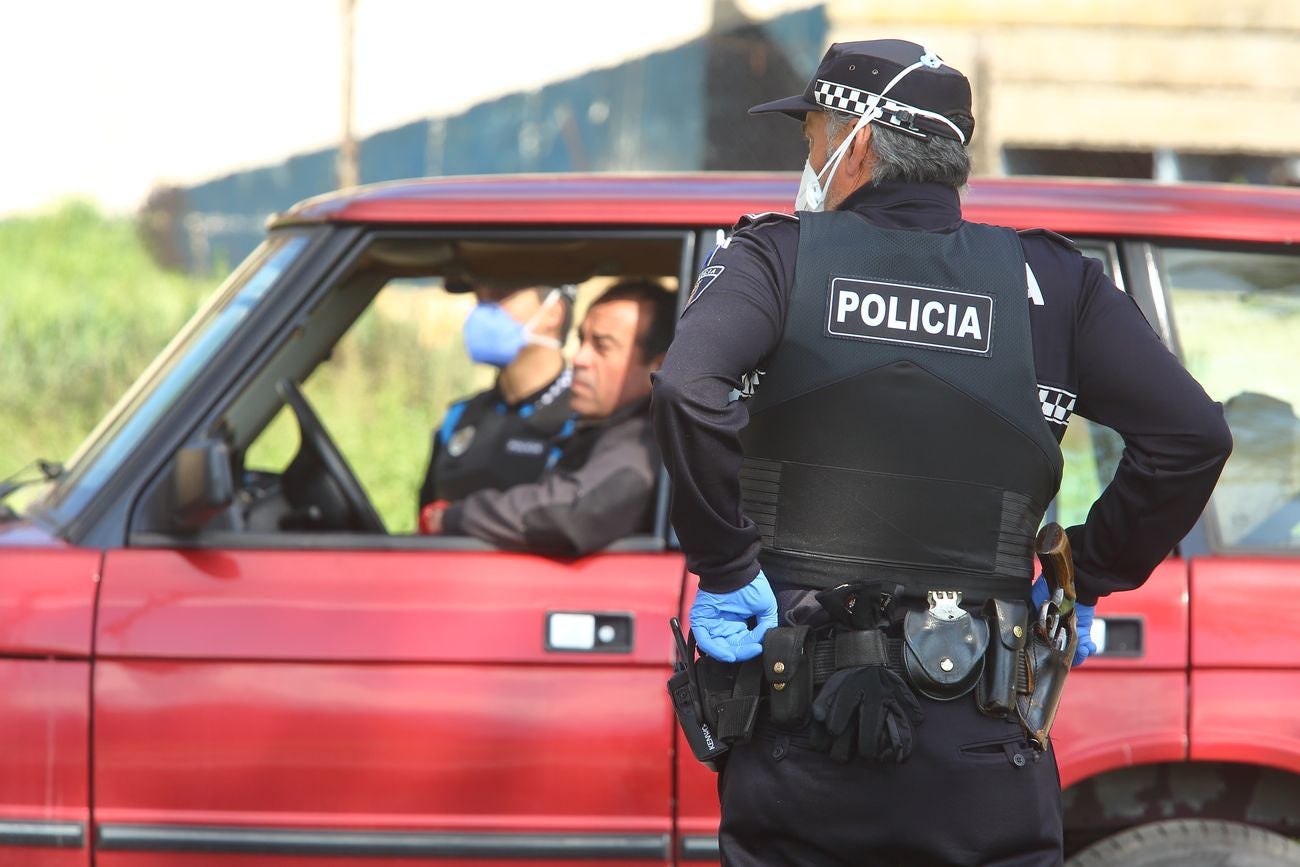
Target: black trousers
x=973, y=792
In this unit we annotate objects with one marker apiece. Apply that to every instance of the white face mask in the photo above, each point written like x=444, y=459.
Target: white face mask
x=812, y=194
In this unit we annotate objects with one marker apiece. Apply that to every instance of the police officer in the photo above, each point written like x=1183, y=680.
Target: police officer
x=506, y=435
x=908, y=377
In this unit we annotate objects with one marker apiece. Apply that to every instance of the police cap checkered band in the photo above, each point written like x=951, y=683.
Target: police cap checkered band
x=929, y=99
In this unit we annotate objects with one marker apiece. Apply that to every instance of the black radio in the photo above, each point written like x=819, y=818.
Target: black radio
x=684, y=690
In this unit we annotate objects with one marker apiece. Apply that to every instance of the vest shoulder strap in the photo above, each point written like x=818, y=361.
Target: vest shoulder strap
x=1049, y=235
x=767, y=218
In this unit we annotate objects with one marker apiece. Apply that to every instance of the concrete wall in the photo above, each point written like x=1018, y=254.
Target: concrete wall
x=1170, y=76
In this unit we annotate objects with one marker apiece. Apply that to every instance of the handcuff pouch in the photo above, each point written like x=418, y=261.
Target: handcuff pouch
x=1008, y=623
x=943, y=659
x=788, y=667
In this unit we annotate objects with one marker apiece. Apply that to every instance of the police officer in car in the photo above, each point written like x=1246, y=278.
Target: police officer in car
x=600, y=488
x=905, y=380
x=506, y=435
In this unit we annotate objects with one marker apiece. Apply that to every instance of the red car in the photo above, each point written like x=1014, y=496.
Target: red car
x=214, y=655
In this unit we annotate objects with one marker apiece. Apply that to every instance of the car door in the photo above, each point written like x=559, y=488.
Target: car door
x=1235, y=314
x=47, y=597
x=382, y=703
x=301, y=694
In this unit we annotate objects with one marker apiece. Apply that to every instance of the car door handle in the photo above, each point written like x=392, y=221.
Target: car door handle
x=588, y=632
x=1118, y=636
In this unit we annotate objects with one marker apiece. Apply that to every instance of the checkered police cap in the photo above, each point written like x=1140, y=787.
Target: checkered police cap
x=931, y=99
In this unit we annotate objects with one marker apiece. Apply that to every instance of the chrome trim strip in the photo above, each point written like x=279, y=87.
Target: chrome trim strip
x=1158, y=296
x=700, y=847
x=379, y=844
x=36, y=832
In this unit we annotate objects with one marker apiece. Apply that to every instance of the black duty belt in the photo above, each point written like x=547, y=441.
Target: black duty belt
x=836, y=649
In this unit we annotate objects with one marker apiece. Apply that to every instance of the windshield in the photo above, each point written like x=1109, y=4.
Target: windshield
x=135, y=415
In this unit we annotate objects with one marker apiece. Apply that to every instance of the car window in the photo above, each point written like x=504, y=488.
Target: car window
x=1091, y=451
x=171, y=373
x=1237, y=317
x=379, y=357
x=385, y=383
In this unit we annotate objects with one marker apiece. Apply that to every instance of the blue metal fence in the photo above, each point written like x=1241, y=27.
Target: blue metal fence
x=666, y=111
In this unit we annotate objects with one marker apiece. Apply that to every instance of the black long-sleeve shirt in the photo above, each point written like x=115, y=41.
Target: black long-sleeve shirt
x=599, y=491
x=1094, y=353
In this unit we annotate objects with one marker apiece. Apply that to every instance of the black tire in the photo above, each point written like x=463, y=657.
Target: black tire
x=1191, y=843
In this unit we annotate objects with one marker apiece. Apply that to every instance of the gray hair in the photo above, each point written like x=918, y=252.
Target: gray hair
x=903, y=157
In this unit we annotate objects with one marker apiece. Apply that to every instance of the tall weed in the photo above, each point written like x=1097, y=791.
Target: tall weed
x=82, y=311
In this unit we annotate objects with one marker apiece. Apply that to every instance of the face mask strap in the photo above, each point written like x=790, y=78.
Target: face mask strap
x=874, y=112
x=538, y=339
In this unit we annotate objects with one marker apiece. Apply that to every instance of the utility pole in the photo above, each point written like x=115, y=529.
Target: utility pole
x=348, y=175
x=986, y=156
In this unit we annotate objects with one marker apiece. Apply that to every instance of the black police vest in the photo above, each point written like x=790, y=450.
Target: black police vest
x=895, y=432
x=486, y=445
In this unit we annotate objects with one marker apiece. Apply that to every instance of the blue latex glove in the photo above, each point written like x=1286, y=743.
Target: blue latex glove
x=1086, y=646
x=1083, y=617
x=718, y=620
x=1040, y=594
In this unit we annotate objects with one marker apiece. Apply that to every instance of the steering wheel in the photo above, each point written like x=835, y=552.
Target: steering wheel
x=315, y=439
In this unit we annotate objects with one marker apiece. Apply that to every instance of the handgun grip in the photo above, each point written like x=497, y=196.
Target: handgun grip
x=1053, y=549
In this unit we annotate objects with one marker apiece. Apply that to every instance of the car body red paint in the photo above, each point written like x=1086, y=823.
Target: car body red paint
x=1084, y=207
x=153, y=687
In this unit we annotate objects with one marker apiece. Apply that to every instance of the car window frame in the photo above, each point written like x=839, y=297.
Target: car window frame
x=365, y=236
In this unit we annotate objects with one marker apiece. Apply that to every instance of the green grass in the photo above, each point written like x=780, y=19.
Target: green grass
x=82, y=311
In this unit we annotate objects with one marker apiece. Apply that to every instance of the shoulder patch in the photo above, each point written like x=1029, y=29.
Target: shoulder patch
x=750, y=221
x=1050, y=235
x=707, y=276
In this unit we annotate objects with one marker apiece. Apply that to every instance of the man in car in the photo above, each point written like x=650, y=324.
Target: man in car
x=502, y=436
x=601, y=485
x=908, y=377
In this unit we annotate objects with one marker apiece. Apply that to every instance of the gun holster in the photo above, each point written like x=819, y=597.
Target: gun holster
x=1045, y=672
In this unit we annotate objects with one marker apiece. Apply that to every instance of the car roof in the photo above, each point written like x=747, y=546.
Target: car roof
x=1070, y=206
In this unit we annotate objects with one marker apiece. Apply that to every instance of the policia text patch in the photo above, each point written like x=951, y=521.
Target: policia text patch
x=915, y=315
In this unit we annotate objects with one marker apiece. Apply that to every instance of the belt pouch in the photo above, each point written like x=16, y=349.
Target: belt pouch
x=1008, y=623
x=730, y=694
x=943, y=659
x=788, y=667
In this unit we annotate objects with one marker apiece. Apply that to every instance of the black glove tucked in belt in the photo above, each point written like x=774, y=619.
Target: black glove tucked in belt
x=882, y=705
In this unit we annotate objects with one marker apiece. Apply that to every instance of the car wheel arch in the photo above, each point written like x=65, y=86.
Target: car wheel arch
x=1121, y=798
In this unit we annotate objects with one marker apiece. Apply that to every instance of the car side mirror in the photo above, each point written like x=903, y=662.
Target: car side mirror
x=202, y=484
